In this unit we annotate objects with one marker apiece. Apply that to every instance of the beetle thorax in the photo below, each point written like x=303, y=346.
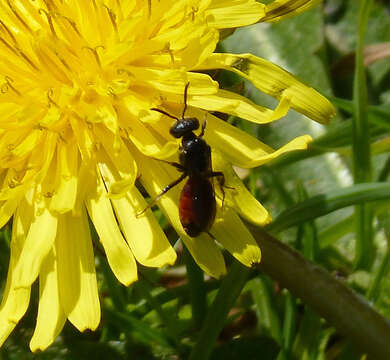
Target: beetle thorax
x=195, y=154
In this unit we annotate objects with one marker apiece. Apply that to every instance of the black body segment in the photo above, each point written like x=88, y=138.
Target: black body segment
x=195, y=156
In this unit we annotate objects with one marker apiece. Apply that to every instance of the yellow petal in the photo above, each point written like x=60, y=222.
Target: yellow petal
x=39, y=241
x=15, y=298
x=206, y=254
x=146, y=141
x=122, y=160
x=7, y=209
x=203, y=47
x=274, y=81
x=14, y=305
x=64, y=197
x=155, y=176
x=84, y=137
x=243, y=201
x=231, y=103
x=223, y=14
x=118, y=253
x=281, y=9
x=174, y=81
x=236, y=238
x=154, y=249
x=241, y=149
x=51, y=317
x=76, y=272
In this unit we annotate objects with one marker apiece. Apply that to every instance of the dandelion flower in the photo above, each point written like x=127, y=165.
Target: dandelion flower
x=78, y=81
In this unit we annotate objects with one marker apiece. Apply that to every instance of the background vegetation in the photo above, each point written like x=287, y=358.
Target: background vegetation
x=319, y=206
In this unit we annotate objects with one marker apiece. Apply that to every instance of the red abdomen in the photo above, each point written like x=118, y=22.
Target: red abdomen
x=197, y=205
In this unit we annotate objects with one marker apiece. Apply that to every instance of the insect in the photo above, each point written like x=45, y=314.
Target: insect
x=197, y=206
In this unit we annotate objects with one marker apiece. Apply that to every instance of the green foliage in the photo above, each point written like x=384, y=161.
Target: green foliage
x=176, y=313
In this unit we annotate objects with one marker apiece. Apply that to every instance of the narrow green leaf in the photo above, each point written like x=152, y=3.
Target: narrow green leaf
x=166, y=319
x=323, y=204
x=181, y=292
x=289, y=323
x=197, y=289
x=364, y=251
x=116, y=289
x=226, y=297
x=374, y=290
x=331, y=234
x=375, y=286
x=264, y=299
x=310, y=236
x=323, y=344
x=377, y=115
x=247, y=348
x=129, y=323
x=384, y=173
x=361, y=139
x=308, y=334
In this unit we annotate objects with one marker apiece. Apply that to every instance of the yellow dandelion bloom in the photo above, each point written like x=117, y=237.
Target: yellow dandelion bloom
x=78, y=80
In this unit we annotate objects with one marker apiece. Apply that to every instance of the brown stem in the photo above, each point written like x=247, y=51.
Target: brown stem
x=348, y=312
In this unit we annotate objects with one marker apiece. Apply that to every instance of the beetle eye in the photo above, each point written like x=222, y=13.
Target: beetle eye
x=193, y=123
x=175, y=130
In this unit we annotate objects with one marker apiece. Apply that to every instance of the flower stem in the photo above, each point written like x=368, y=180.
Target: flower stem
x=350, y=314
x=230, y=289
x=361, y=146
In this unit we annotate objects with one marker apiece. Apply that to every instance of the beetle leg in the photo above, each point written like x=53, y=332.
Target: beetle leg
x=211, y=235
x=164, y=191
x=221, y=182
x=203, y=125
x=178, y=166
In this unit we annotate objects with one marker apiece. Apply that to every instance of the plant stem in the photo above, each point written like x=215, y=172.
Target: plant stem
x=349, y=313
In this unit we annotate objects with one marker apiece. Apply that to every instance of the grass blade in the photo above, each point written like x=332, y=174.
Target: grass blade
x=364, y=250
x=324, y=204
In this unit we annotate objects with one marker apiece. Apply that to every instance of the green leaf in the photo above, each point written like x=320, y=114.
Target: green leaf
x=362, y=169
x=227, y=295
x=305, y=344
x=247, y=348
x=197, y=288
x=324, y=204
x=130, y=324
x=289, y=322
x=263, y=296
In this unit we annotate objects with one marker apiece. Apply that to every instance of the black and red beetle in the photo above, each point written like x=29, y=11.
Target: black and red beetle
x=197, y=206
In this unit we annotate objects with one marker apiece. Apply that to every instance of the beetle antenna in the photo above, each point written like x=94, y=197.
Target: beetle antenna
x=211, y=235
x=185, y=99
x=165, y=113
